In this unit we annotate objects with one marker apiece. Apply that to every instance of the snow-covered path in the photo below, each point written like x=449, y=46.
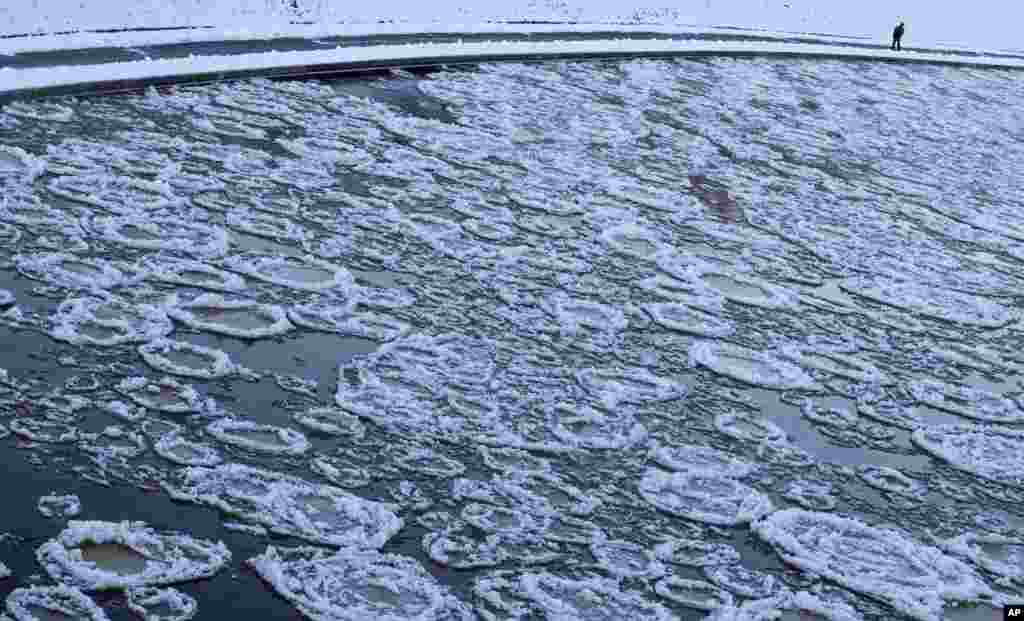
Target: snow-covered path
x=108, y=70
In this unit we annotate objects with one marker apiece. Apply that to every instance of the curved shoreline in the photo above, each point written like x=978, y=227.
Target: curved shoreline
x=133, y=76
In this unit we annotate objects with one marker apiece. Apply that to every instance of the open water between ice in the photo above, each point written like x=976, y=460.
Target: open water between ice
x=621, y=340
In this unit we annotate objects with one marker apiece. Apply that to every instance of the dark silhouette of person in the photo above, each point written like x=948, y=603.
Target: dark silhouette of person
x=897, y=37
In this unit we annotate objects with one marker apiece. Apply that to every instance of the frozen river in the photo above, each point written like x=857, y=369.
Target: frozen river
x=620, y=340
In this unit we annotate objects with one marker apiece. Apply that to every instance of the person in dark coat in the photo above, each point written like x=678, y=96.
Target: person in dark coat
x=897, y=37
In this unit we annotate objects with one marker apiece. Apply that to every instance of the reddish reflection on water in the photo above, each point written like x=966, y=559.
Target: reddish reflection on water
x=723, y=207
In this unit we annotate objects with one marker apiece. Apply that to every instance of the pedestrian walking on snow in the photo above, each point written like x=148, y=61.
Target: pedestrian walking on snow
x=897, y=37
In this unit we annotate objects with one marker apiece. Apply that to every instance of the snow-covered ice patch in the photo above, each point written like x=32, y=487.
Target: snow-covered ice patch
x=968, y=401
x=696, y=594
x=289, y=505
x=164, y=395
x=94, y=555
x=751, y=367
x=931, y=301
x=915, y=579
x=744, y=582
x=626, y=559
x=688, y=292
x=638, y=386
x=701, y=460
x=340, y=472
x=634, y=241
x=67, y=270
x=996, y=554
x=892, y=480
x=706, y=498
x=222, y=125
x=497, y=519
x=167, y=233
x=539, y=493
x=192, y=274
x=799, y=606
x=749, y=427
x=40, y=110
x=390, y=405
x=689, y=319
x=355, y=585
x=337, y=316
x=903, y=415
x=460, y=551
x=10, y=234
x=330, y=420
x=178, y=449
x=161, y=604
x=113, y=441
x=513, y=460
x=253, y=436
x=267, y=226
x=586, y=427
x=18, y=163
x=990, y=452
x=45, y=603
x=117, y=194
x=306, y=273
x=187, y=359
x=696, y=553
x=59, y=505
x=572, y=315
x=588, y=599
x=837, y=363
x=811, y=495
x=108, y=321
x=242, y=319
x=426, y=461
x=749, y=290
x=45, y=430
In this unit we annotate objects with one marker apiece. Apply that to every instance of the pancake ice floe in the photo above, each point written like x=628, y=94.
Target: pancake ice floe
x=933, y=302
x=161, y=604
x=289, y=505
x=712, y=499
x=94, y=555
x=45, y=603
x=987, y=451
x=355, y=585
x=305, y=273
x=915, y=579
x=243, y=319
x=252, y=436
x=752, y=367
x=188, y=360
x=108, y=321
